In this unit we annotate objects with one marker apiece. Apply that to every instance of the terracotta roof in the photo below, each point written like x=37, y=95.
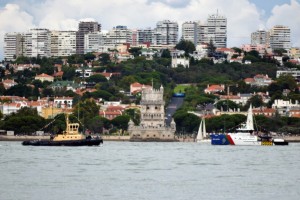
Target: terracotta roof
x=136, y=84
x=44, y=75
x=249, y=80
x=215, y=87
x=60, y=73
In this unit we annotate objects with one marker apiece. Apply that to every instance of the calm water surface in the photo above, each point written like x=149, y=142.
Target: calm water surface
x=152, y=171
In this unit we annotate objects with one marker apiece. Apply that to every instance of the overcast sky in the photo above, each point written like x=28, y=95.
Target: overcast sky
x=243, y=16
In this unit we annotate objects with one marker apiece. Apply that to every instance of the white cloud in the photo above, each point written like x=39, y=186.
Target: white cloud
x=243, y=17
x=287, y=15
x=13, y=19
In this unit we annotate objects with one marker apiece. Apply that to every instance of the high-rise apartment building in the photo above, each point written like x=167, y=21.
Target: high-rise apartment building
x=13, y=46
x=37, y=42
x=93, y=42
x=63, y=43
x=84, y=28
x=118, y=35
x=189, y=31
x=260, y=37
x=144, y=35
x=165, y=33
x=214, y=29
x=280, y=37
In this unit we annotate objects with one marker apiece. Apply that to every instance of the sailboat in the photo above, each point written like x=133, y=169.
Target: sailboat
x=202, y=135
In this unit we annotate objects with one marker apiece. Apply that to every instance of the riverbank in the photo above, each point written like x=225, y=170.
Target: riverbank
x=292, y=139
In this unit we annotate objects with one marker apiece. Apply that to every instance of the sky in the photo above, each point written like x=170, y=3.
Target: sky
x=243, y=16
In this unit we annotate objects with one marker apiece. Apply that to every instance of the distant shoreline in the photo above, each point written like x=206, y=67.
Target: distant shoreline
x=292, y=139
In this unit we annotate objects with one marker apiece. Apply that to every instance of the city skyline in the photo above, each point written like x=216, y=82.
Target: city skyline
x=244, y=17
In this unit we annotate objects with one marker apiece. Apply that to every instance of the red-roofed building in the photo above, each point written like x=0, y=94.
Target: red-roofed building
x=268, y=112
x=137, y=87
x=59, y=75
x=8, y=83
x=111, y=112
x=212, y=89
x=259, y=80
x=44, y=77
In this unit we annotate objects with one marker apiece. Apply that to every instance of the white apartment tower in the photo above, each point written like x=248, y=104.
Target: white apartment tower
x=144, y=35
x=165, y=33
x=93, y=41
x=215, y=29
x=260, y=37
x=63, y=43
x=280, y=37
x=189, y=32
x=12, y=46
x=84, y=28
x=37, y=42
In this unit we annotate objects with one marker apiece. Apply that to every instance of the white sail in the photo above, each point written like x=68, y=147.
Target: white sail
x=204, y=129
x=249, y=123
x=199, y=135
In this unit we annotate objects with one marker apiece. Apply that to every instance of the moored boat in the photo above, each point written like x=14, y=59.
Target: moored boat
x=243, y=136
x=69, y=137
x=280, y=141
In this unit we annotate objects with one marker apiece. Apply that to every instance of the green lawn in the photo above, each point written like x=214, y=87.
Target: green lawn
x=180, y=88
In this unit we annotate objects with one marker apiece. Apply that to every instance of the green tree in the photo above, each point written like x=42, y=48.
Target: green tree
x=96, y=124
x=211, y=48
x=121, y=122
x=104, y=58
x=187, y=46
x=86, y=110
x=96, y=78
x=135, y=51
x=166, y=53
x=89, y=56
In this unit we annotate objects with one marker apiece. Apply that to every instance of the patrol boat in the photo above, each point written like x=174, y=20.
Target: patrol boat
x=69, y=137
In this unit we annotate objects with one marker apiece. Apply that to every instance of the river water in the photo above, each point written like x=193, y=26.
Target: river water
x=150, y=171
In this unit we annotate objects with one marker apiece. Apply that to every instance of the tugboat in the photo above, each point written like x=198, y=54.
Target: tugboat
x=69, y=137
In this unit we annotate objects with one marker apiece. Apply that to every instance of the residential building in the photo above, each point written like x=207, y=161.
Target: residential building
x=65, y=85
x=44, y=77
x=214, y=29
x=212, y=89
x=293, y=72
x=137, y=87
x=93, y=42
x=63, y=43
x=13, y=46
x=268, y=112
x=85, y=27
x=284, y=107
x=37, y=43
x=259, y=80
x=112, y=112
x=8, y=83
x=63, y=102
x=165, y=33
x=144, y=35
x=280, y=37
x=189, y=32
x=117, y=36
x=178, y=58
x=260, y=37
